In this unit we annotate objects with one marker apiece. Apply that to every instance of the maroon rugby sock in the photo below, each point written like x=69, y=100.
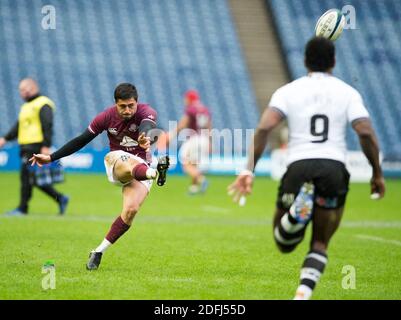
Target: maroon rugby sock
x=118, y=228
x=139, y=172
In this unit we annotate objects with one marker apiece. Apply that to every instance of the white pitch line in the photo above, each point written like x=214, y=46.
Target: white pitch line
x=174, y=279
x=60, y=218
x=378, y=239
x=226, y=220
x=146, y=219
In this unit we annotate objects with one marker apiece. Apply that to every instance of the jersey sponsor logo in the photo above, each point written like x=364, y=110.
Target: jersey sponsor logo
x=133, y=127
x=128, y=142
x=151, y=117
x=113, y=131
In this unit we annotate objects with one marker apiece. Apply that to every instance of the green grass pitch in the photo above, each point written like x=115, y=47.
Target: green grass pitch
x=182, y=247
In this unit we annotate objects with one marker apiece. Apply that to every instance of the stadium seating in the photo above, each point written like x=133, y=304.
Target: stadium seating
x=367, y=57
x=164, y=47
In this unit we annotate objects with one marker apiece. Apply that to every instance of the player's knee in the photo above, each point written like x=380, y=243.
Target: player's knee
x=284, y=248
x=123, y=170
x=124, y=178
x=130, y=211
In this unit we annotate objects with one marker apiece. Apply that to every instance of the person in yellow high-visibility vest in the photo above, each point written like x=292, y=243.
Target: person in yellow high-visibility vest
x=33, y=130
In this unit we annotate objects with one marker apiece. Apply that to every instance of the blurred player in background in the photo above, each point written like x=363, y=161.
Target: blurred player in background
x=314, y=188
x=194, y=153
x=33, y=129
x=127, y=123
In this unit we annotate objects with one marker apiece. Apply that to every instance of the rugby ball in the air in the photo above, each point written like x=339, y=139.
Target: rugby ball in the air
x=330, y=25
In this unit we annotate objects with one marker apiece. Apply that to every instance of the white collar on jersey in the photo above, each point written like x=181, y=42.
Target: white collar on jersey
x=316, y=74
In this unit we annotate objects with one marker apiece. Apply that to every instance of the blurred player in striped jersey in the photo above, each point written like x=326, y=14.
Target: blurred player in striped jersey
x=318, y=108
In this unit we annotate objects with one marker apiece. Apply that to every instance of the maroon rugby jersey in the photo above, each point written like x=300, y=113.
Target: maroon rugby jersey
x=123, y=134
x=199, y=116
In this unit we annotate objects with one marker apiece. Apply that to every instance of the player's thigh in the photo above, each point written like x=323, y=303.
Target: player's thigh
x=123, y=168
x=194, y=151
x=297, y=173
x=325, y=224
x=134, y=194
x=331, y=184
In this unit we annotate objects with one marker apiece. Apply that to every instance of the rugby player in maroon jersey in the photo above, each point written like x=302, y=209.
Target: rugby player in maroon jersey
x=128, y=124
x=194, y=153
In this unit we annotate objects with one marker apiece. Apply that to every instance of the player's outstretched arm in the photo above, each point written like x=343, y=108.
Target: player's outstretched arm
x=11, y=135
x=182, y=124
x=242, y=186
x=145, y=129
x=69, y=148
x=269, y=120
x=370, y=147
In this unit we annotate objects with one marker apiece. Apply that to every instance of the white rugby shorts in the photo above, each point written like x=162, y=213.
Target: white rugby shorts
x=196, y=151
x=110, y=160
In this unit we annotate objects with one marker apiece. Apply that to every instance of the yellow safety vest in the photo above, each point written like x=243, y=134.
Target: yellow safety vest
x=29, y=125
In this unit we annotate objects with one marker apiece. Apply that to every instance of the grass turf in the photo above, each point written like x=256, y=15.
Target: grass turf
x=183, y=247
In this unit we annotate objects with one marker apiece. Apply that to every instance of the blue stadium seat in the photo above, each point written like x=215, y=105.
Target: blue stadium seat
x=163, y=47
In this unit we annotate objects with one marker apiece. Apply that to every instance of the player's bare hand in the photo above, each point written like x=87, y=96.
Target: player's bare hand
x=144, y=142
x=377, y=187
x=242, y=186
x=40, y=159
x=45, y=150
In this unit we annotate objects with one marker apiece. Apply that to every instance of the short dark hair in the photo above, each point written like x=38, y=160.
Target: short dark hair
x=320, y=54
x=125, y=91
